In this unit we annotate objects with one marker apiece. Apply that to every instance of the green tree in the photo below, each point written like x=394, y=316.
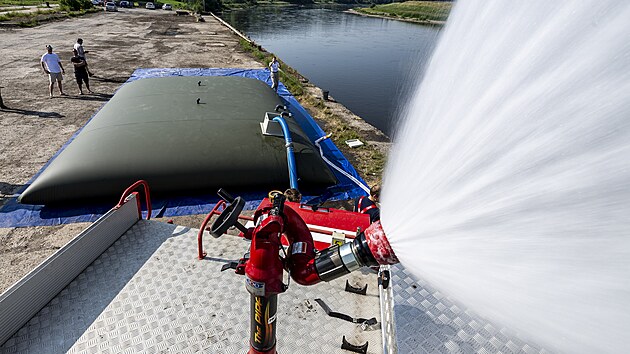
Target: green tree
x=214, y=5
x=200, y=6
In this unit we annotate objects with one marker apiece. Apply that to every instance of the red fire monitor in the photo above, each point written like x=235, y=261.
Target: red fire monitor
x=327, y=225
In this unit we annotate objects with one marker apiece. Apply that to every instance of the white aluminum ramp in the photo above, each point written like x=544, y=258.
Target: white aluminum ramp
x=149, y=293
x=427, y=321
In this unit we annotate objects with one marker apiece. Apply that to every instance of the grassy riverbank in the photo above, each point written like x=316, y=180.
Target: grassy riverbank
x=420, y=11
x=369, y=159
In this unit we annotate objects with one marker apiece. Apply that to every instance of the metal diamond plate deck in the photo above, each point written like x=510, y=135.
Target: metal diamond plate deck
x=148, y=293
x=426, y=321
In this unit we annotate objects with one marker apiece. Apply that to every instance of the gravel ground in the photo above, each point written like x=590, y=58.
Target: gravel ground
x=35, y=127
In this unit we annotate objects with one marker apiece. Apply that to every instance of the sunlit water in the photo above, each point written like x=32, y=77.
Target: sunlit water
x=366, y=63
x=509, y=184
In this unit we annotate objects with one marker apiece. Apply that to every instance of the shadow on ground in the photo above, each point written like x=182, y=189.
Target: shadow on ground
x=119, y=80
x=91, y=97
x=27, y=112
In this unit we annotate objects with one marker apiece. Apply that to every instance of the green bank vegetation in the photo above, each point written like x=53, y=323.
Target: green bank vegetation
x=367, y=159
x=421, y=11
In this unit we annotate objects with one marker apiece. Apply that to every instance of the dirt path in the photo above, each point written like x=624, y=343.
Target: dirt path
x=35, y=127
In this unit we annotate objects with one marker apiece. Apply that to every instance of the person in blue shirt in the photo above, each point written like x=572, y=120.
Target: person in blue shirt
x=369, y=205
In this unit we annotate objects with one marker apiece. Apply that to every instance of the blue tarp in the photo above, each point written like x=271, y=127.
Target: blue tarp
x=13, y=214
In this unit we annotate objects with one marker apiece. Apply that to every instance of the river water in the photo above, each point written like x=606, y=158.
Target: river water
x=368, y=64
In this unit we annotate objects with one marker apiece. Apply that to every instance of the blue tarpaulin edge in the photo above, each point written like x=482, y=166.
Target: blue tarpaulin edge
x=14, y=214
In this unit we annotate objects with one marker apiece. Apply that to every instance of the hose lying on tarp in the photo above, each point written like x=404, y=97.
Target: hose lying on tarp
x=290, y=156
x=340, y=170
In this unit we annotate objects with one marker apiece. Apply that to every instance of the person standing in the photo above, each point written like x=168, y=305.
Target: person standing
x=53, y=67
x=369, y=205
x=80, y=71
x=274, y=66
x=79, y=47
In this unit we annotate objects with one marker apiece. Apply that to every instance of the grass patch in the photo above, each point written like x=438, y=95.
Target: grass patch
x=414, y=10
x=25, y=3
x=367, y=159
x=32, y=19
x=31, y=22
x=19, y=14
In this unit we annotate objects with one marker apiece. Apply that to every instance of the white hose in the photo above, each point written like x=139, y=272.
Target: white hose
x=352, y=178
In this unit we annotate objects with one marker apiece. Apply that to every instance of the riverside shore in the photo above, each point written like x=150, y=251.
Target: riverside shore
x=35, y=127
x=423, y=22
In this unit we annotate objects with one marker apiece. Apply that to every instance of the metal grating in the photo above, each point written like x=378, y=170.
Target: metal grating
x=388, y=327
x=30, y=294
x=426, y=321
x=149, y=293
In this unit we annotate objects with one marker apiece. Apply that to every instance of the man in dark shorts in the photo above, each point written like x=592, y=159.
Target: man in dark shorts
x=80, y=71
x=79, y=47
x=368, y=205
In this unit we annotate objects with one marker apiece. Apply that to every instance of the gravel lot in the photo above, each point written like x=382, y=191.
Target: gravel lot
x=35, y=127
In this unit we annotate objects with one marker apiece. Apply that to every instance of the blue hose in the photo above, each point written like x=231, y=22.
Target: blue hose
x=290, y=158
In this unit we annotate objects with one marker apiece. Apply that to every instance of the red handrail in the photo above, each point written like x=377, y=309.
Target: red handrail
x=201, y=254
x=147, y=197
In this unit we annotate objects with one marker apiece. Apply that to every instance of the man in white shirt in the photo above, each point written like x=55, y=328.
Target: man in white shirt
x=79, y=47
x=274, y=66
x=52, y=66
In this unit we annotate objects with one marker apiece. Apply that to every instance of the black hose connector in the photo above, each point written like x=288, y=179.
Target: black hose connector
x=336, y=261
x=329, y=265
x=362, y=251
